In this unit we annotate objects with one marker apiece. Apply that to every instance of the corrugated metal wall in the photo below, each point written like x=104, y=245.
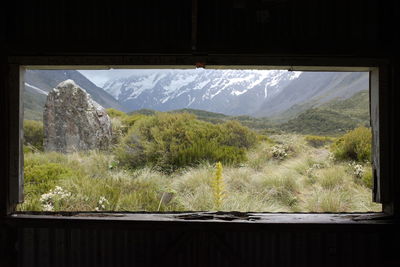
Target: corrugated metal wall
x=211, y=245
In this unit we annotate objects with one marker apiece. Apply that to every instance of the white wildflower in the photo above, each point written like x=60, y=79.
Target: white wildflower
x=49, y=199
x=101, y=204
x=358, y=170
x=48, y=207
x=279, y=152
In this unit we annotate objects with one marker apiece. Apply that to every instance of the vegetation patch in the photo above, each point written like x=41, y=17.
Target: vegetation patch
x=354, y=145
x=33, y=134
x=318, y=141
x=171, y=141
x=166, y=162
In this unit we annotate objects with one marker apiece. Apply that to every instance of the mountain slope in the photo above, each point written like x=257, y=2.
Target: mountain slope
x=39, y=82
x=260, y=93
x=311, y=90
x=332, y=118
x=232, y=92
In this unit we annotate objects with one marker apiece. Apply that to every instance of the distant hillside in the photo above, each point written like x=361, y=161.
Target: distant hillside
x=213, y=117
x=144, y=111
x=356, y=106
x=39, y=82
x=311, y=90
x=332, y=118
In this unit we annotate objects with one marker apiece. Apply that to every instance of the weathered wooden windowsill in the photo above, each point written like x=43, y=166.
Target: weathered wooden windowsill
x=211, y=217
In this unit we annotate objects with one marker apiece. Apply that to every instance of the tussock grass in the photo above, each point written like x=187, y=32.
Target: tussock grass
x=331, y=178
x=193, y=188
x=329, y=200
x=306, y=180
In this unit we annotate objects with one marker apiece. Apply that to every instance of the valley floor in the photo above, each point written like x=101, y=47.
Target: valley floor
x=285, y=175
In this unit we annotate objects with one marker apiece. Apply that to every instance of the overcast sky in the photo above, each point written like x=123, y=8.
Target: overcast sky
x=99, y=77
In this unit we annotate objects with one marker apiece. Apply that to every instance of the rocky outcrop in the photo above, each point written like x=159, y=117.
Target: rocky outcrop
x=73, y=121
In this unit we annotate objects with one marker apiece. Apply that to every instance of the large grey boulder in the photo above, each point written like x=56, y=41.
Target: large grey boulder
x=73, y=121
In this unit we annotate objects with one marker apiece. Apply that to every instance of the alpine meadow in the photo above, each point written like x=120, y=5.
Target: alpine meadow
x=197, y=140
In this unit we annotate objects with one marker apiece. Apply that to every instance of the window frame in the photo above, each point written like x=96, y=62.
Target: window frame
x=17, y=64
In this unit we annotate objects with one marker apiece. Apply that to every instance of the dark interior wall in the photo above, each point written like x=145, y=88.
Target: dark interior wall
x=89, y=243
x=306, y=27
x=90, y=27
x=311, y=30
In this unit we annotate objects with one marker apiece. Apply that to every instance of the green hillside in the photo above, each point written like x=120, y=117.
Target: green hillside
x=320, y=122
x=144, y=111
x=251, y=122
x=332, y=118
x=356, y=106
x=201, y=113
x=216, y=118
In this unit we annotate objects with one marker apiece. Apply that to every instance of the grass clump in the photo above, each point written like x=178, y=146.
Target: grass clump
x=193, y=187
x=330, y=200
x=354, y=145
x=331, y=178
x=280, y=186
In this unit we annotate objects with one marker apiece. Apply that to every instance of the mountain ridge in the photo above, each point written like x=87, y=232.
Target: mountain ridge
x=258, y=93
x=37, y=83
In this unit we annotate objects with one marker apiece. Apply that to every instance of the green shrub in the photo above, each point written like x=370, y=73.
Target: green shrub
x=121, y=122
x=118, y=130
x=115, y=113
x=367, y=178
x=236, y=135
x=33, y=134
x=354, y=145
x=170, y=141
x=317, y=141
x=40, y=178
x=130, y=120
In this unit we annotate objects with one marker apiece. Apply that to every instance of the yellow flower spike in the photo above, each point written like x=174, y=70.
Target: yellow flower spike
x=218, y=186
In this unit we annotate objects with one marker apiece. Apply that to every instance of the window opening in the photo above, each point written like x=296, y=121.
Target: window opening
x=161, y=140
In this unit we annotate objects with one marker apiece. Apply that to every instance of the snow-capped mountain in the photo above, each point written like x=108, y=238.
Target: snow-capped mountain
x=232, y=92
x=261, y=93
x=312, y=89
